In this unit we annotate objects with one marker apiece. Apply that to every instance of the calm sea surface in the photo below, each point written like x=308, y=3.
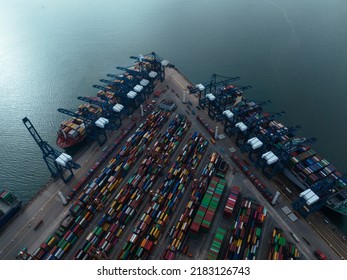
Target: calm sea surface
x=292, y=52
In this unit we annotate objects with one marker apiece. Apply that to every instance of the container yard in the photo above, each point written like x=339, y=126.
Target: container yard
x=179, y=232
x=246, y=231
x=167, y=185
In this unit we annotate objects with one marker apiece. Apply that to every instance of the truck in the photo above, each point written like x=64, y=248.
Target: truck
x=320, y=255
x=295, y=237
x=62, y=197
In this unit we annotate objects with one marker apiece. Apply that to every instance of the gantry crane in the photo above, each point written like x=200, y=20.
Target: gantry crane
x=127, y=99
x=119, y=85
x=93, y=130
x=56, y=161
x=225, y=98
x=266, y=162
x=254, y=122
x=147, y=85
x=325, y=190
x=240, y=113
x=113, y=115
x=157, y=63
x=126, y=86
x=142, y=73
x=214, y=86
x=268, y=142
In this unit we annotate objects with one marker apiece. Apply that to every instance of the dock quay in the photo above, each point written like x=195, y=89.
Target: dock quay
x=147, y=210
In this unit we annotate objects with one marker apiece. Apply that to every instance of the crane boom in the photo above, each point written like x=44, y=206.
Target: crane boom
x=55, y=160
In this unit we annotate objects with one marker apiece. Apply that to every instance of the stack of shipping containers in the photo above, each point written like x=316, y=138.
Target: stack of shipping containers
x=217, y=242
x=98, y=191
x=167, y=197
x=132, y=194
x=179, y=231
x=280, y=248
x=246, y=231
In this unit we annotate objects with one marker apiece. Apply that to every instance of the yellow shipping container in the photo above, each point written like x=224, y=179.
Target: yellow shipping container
x=103, y=189
x=180, y=235
x=119, y=232
x=166, y=217
x=174, y=242
x=106, y=226
x=113, y=204
x=156, y=233
x=249, y=238
x=74, y=126
x=119, y=207
x=110, y=187
x=133, y=196
x=161, y=217
x=67, y=247
x=51, y=241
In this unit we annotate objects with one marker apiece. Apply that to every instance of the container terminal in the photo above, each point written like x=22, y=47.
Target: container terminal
x=172, y=170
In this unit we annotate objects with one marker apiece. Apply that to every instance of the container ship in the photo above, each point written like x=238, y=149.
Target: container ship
x=73, y=131
x=9, y=206
x=306, y=168
x=303, y=166
x=274, y=147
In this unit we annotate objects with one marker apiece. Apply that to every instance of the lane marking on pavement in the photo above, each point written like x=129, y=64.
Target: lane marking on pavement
x=179, y=83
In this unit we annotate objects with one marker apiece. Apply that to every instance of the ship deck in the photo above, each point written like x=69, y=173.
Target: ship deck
x=4, y=207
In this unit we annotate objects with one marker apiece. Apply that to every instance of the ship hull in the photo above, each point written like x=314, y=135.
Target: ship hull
x=9, y=215
x=66, y=143
x=294, y=179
